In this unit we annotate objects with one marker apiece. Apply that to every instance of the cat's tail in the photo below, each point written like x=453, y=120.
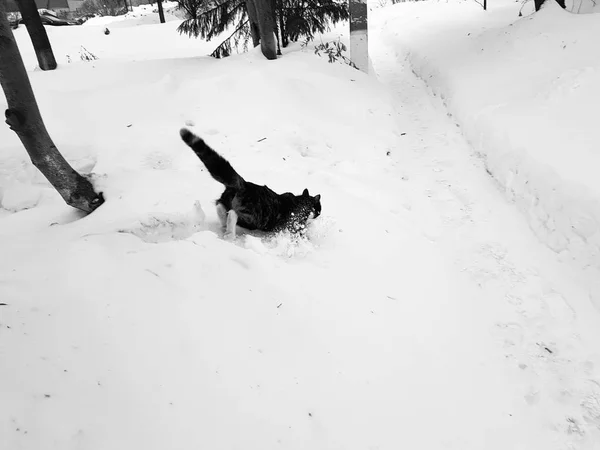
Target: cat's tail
x=217, y=166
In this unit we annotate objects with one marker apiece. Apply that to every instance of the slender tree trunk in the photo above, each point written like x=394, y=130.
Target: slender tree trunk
x=161, y=13
x=266, y=27
x=359, y=34
x=24, y=118
x=37, y=33
x=284, y=38
x=253, y=17
x=274, y=12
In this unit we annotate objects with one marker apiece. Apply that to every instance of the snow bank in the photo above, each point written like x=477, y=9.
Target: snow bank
x=138, y=327
x=140, y=15
x=525, y=92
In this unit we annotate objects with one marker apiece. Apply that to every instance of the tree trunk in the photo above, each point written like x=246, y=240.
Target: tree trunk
x=37, y=33
x=538, y=4
x=161, y=13
x=24, y=118
x=253, y=17
x=284, y=38
x=266, y=27
x=359, y=34
x=275, y=25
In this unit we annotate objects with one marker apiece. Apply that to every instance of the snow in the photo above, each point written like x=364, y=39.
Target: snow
x=140, y=15
x=524, y=93
x=422, y=312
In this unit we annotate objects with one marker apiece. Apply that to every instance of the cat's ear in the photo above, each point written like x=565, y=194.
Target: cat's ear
x=305, y=193
x=318, y=197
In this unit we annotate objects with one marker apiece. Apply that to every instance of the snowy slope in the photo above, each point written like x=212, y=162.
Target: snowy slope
x=421, y=313
x=525, y=92
x=139, y=15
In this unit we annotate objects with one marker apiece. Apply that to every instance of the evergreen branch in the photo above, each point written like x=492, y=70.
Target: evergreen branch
x=214, y=21
x=309, y=17
x=225, y=47
x=292, y=18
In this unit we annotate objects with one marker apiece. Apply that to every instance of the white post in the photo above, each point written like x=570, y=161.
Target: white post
x=359, y=35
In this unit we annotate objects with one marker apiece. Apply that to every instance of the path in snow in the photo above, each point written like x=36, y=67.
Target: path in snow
x=544, y=324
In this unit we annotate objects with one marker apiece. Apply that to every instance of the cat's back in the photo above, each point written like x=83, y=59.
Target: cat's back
x=257, y=192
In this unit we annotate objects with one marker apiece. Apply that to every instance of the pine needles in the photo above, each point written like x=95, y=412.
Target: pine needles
x=293, y=19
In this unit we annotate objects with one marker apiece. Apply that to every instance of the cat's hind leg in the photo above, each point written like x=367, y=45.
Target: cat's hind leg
x=232, y=218
x=222, y=213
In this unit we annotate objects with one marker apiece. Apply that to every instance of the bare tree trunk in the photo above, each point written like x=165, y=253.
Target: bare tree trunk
x=24, y=118
x=284, y=38
x=359, y=34
x=161, y=13
x=253, y=17
x=266, y=26
x=276, y=26
x=37, y=33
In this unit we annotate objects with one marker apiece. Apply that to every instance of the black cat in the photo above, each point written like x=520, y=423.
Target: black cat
x=249, y=205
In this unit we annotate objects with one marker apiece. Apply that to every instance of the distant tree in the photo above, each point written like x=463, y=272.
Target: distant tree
x=266, y=22
x=24, y=118
x=161, y=13
x=37, y=34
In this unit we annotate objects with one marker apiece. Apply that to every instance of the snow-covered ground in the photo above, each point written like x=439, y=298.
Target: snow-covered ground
x=422, y=312
x=525, y=93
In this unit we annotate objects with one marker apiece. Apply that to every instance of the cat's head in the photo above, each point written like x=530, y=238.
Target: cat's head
x=314, y=203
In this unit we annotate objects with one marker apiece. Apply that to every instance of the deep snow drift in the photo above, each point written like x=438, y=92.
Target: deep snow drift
x=525, y=92
x=421, y=313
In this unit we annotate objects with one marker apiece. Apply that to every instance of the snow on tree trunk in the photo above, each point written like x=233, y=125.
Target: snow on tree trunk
x=266, y=27
x=359, y=36
x=161, y=13
x=37, y=33
x=24, y=118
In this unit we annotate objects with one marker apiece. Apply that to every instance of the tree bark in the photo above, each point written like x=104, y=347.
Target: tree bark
x=24, y=118
x=161, y=13
x=359, y=34
x=276, y=26
x=284, y=38
x=37, y=33
x=253, y=17
x=266, y=27
x=538, y=4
